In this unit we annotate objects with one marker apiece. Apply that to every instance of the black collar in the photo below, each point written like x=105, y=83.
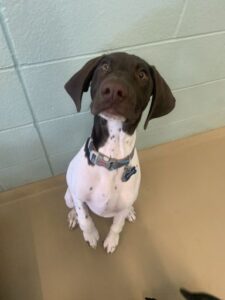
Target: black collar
x=102, y=160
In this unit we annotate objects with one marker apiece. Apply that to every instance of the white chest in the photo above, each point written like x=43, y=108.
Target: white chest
x=102, y=190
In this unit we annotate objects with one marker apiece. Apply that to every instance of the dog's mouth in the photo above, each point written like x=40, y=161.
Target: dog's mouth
x=112, y=114
x=107, y=112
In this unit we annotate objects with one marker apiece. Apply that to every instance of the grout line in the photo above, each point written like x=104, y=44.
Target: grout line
x=16, y=127
x=128, y=48
x=198, y=85
x=44, y=121
x=2, y=69
x=12, y=50
x=178, y=122
x=66, y=116
x=59, y=60
x=180, y=19
x=22, y=163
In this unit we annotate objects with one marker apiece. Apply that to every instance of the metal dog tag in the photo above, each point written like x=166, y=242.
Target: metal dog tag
x=128, y=172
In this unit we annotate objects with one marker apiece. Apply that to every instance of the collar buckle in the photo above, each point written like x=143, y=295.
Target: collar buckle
x=93, y=157
x=111, y=166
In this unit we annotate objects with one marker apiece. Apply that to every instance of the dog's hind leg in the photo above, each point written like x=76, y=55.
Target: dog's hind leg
x=69, y=199
x=72, y=215
x=72, y=218
x=131, y=217
x=79, y=215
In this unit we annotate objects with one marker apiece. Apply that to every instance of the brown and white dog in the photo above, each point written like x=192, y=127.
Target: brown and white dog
x=105, y=174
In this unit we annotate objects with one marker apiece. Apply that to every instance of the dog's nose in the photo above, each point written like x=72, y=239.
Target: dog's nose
x=114, y=91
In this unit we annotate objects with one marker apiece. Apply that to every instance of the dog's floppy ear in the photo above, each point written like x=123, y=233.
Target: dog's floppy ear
x=162, y=98
x=80, y=81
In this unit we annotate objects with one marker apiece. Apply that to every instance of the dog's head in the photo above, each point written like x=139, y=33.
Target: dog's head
x=121, y=87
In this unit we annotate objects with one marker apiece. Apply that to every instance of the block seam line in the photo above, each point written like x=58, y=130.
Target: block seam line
x=204, y=83
x=12, y=50
x=89, y=55
x=180, y=19
x=22, y=163
x=6, y=68
x=17, y=126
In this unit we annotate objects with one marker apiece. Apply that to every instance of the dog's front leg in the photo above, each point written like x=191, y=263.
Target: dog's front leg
x=86, y=224
x=113, y=236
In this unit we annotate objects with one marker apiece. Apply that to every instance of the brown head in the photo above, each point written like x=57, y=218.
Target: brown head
x=121, y=86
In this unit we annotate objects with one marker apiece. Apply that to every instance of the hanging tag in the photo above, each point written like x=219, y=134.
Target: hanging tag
x=128, y=172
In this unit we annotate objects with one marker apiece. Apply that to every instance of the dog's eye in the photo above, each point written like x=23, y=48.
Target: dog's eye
x=142, y=75
x=105, y=67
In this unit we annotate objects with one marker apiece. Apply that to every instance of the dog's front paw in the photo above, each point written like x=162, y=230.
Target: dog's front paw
x=111, y=242
x=91, y=237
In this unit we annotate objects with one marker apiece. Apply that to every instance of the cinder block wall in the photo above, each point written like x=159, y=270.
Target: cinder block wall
x=42, y=43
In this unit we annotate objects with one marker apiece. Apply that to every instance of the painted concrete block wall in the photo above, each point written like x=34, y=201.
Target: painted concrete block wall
x=42, y=43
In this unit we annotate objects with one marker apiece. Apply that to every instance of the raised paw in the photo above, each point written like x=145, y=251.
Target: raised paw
x=91, y=237
x=72, y=219
x=131, y=217
x=111, y=242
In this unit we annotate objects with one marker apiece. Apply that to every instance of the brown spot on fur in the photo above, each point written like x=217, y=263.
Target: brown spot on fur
x=112, y=137
x=120, y=129
x=91, y=188
x=115, y=187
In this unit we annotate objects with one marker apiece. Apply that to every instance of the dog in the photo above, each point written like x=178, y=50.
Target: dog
x=193, y=296
x=197, y=296
x=105, y=174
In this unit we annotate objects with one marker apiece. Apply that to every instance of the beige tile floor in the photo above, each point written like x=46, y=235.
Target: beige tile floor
x=177, y=240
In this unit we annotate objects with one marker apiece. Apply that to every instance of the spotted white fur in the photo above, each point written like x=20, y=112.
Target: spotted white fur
x=101, y=190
